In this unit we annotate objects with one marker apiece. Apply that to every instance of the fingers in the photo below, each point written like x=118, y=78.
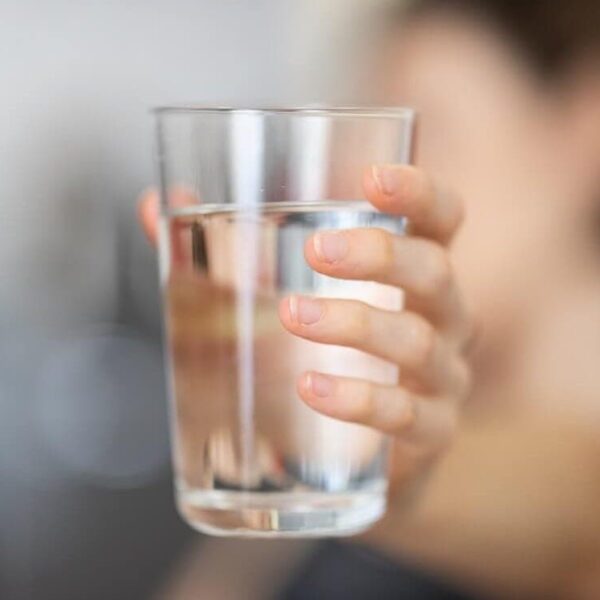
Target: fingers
x=403, y=338
x=419, y=266
x=406, y=190
x=149, y=203
x=148, y=215
x=392, y=410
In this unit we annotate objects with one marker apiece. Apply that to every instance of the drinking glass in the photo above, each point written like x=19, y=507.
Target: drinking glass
x=241, y=191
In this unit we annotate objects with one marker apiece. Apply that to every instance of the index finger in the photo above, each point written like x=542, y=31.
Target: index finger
x=408, y=191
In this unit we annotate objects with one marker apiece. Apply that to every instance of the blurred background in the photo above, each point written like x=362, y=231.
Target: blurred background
x=86, y=506
x=508, y=94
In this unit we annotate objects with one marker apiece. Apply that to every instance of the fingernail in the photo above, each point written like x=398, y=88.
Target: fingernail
x=304, y=310
x=320, y=385
x=386, y=179
x=330, y=246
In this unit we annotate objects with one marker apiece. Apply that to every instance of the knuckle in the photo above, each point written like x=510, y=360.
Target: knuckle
x=422, y=340
x=455, y=208
x=425, y=192
x=358, y=324
x=384, y=261
x=416, y=189
x=407, y=417
x=373, y=254
x=438, y=272
x=365, y=406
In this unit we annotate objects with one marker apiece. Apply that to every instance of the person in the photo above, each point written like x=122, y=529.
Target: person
x=509, y=98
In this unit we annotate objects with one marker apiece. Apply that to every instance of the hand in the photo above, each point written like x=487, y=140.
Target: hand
x=426, y=339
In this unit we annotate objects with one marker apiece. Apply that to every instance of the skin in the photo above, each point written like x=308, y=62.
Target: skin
x=510, y=509
x=425, y=340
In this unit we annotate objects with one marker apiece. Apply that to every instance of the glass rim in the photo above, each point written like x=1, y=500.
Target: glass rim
x=332, y=111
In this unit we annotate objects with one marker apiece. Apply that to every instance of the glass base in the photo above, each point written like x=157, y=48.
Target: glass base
x=276, y=515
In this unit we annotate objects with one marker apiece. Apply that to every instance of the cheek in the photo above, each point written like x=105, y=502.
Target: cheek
x=485, y=132
x=505, y=173
x=487, y=258
x=500, y=256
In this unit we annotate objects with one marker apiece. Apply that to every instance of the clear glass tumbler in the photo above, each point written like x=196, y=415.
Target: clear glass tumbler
x=241, y=191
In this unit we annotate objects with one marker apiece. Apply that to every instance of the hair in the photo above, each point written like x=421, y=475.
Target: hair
x=551, y=35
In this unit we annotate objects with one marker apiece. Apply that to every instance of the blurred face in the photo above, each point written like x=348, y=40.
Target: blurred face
x=489, y=130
